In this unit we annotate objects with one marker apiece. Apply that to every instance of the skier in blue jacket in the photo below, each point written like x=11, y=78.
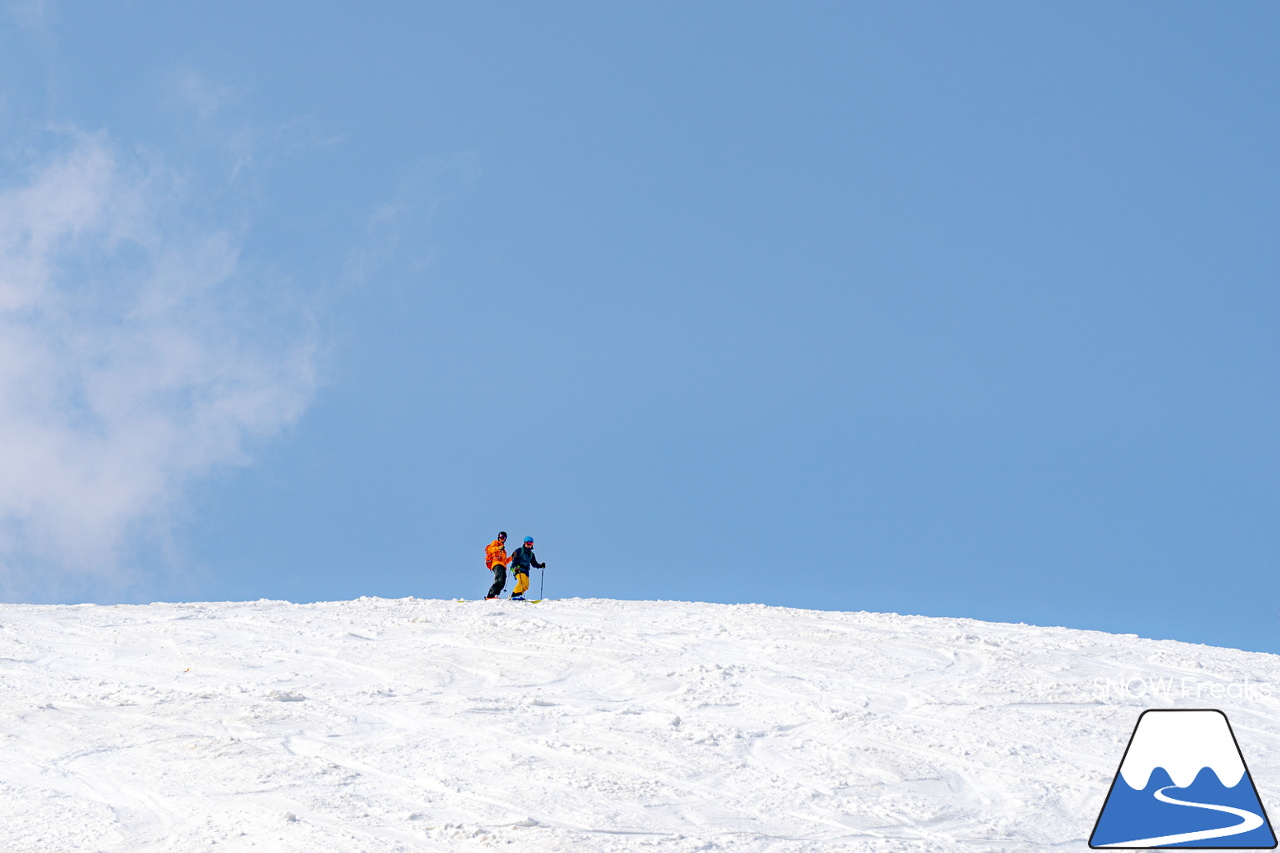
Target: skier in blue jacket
x=521, y=560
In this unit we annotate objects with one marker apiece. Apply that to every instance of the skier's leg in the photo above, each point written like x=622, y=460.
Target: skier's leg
x=522, y=583
x=499, y=581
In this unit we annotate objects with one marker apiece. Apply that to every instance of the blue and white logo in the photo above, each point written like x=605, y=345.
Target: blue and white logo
x=1183, y=784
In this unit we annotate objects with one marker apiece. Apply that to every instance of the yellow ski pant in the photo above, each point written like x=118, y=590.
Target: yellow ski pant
x=522, y=583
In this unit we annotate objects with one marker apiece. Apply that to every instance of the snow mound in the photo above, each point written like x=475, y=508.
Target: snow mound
x=580, y=725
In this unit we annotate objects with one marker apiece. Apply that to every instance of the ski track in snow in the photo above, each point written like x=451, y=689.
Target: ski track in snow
x=575, y=725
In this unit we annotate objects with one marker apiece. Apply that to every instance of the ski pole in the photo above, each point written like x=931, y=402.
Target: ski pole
x=542, y=580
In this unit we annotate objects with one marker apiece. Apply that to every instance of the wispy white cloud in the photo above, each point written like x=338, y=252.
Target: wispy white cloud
x=33, y=15
x=203, y=95
x=395, y=230
x=138, y=352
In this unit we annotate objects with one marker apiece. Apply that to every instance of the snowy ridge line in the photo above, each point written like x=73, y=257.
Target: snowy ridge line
x=393, y=725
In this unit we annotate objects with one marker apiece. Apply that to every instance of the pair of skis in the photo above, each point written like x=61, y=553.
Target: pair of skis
x=517, y=600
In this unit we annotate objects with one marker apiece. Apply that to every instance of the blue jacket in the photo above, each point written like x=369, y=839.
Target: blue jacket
x=522, y=558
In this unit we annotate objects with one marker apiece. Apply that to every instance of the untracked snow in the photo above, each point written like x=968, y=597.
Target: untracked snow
x=580, y=725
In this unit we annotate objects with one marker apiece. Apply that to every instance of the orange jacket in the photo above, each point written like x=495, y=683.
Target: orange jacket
x=495, y=554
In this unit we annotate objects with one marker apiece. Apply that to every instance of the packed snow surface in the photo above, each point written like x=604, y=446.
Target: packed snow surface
x=580, y=725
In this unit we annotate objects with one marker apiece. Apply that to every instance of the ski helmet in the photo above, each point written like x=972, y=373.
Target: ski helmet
x=528, y=540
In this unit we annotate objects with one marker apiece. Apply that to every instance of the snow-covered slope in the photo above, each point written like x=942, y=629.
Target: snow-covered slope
x=580, y=725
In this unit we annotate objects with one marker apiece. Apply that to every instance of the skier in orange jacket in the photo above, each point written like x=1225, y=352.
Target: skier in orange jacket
x=495, y=557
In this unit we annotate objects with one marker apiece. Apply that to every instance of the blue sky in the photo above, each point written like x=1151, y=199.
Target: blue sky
x=930, y=308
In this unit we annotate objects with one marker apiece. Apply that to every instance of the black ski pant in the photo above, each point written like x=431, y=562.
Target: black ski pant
x=499, y=581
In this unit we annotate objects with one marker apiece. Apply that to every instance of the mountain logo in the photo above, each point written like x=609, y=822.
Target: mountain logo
x=1183, y=784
